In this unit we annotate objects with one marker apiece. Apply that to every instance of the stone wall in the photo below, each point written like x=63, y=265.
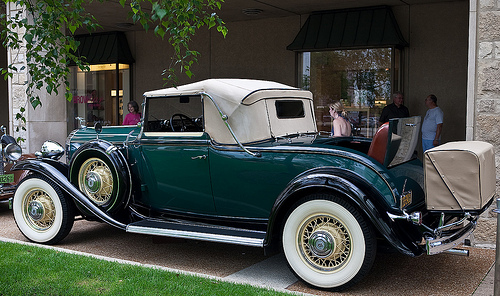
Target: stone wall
x=17, y=84
x=49, y=120
x=487, y=98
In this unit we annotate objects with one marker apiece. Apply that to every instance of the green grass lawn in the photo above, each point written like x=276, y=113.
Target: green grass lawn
x=29, y=270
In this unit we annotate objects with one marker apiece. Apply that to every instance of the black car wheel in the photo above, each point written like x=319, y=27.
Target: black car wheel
x=41, y=211
x=327, y=242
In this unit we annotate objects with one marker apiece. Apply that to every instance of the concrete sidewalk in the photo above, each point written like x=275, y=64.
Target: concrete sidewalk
x=486, y=287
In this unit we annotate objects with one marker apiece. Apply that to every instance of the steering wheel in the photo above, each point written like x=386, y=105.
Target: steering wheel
x=182, y=117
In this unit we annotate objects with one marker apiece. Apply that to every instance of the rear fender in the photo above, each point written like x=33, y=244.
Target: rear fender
x=18, y=174
x=359, y=192
x=58, y=173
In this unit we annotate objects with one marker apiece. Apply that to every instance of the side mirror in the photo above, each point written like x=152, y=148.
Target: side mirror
x=98, y=127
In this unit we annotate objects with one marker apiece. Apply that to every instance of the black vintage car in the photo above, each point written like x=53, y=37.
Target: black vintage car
x=240, y=161
x=10, y=152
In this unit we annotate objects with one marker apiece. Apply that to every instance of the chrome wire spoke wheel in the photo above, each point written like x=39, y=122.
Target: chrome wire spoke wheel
x=101, y=173
x=325, y=242
x=95, y=179
x=39, y=210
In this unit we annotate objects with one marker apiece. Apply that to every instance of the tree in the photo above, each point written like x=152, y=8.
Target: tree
x=47, y=28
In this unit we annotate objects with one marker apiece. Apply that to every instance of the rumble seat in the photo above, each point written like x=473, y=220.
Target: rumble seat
x=378, y=147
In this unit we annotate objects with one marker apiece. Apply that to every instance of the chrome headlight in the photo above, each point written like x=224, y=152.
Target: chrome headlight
x=13, y=151
x=52, y=149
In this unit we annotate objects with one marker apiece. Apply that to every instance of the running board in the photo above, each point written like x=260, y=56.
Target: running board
x=204, y=232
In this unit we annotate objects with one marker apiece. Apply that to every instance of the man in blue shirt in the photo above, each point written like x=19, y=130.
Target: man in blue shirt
x=432, y=125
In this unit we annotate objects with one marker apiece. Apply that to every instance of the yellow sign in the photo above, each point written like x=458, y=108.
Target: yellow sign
x=406, y=199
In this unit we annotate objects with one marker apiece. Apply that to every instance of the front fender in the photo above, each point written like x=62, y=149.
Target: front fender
x=58, y=173
x=354, y=187
x=35, y=165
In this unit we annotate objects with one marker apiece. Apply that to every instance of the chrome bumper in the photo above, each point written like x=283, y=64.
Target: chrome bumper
x=444, y=243
x=6, y=191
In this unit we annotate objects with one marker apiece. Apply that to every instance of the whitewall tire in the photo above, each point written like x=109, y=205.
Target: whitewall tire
x=327, y=243
x=41, y=211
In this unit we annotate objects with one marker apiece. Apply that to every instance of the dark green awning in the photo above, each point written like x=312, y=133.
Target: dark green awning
x=349, y=28
x=105, y=48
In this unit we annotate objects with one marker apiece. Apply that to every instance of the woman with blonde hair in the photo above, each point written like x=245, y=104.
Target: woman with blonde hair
x=340, y=126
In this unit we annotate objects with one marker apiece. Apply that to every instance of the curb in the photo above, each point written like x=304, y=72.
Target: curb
x=241, y=277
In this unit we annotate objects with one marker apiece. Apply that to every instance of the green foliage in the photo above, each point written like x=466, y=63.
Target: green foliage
x=178, y=20
x=41, y=28
x=47, y=28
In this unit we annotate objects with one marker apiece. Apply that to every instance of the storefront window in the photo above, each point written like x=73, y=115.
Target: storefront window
x=99, y=94
x=363, y=79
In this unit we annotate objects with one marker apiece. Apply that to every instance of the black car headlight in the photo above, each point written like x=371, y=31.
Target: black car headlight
x=13, y=151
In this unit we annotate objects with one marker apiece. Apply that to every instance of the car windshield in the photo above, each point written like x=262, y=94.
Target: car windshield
x=174, y=114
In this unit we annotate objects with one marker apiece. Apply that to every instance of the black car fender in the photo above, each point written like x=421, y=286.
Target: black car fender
x=42, y=166
x=58, y=172
x=117, y=163
x=358, y=190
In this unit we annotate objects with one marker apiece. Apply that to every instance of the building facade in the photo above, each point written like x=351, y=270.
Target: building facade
x=447, y=48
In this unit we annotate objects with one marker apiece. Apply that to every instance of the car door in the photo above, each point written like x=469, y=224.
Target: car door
x=173, y=153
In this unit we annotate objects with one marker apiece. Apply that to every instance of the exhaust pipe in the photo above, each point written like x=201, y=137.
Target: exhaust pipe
x=459, y=252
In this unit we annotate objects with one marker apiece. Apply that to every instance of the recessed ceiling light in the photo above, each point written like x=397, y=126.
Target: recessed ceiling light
x=252, y=11
x=124, y=25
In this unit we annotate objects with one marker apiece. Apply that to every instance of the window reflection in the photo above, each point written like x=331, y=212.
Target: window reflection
x=362, y=79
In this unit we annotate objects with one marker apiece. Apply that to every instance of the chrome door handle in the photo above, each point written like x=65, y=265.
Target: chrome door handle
x=199, y=157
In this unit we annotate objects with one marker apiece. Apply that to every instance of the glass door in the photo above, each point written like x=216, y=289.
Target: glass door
x=99, y=94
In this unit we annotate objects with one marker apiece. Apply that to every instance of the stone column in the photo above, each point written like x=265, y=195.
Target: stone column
x=486, y=107
x=16, y=84
x=46, y=122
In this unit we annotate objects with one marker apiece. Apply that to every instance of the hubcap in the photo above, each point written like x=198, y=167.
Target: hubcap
x=92, y=182
x=96, y=180
x=324, y=243
x=35, y=210
x=39, y=210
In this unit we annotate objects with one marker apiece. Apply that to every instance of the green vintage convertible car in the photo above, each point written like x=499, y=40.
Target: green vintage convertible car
x=240, y=161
